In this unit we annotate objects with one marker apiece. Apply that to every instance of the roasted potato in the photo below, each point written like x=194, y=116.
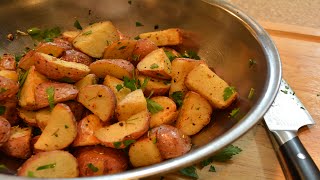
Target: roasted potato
x=8, y=62
x=10, y=110
x=99, y=99
x=55, y=48
x=89, y=79
x=60, y=131
x=27, y=60
x=180, y=69
x=194, y=115
x=28, y=117
x=214, y=87
x=77, y=56
x=133, y=103
x=9, y=75
x=4, y=130
x=93, y=39
x=171, y=142
x=112, y=83
x=168, y=37
x=86, y=128
x=18, y=144
x=98, y=160
x=158, y=87
x=121, y=49
x=42, y=117
x=8, y=88
x=118, y=68
x=70, y=35
x=53, y=164
x=61, y=92
x=143, y=48
x=60, y=70
x=167, y=115
x=144, y=152
x=27, y=98
x=76, y=108
x=156, y=64
x=116, y=135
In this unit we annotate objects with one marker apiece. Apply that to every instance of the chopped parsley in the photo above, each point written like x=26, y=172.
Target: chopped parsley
x=153, y=106
x=18, y=57
x=129, y=83
x=284, y=91
x=226, y=154
x=144, y=84
x=137, y=38
x=135, y=57
x=21, y=79
x=170, y=55
x=87, y=33
x=212, y=169
x=34, y=31
x=251, y=93
x=119, y=87
x=2, y=109
x=177, y=97
x=154, y=65
x=66, y=126
x=48, y=166
x=31, y=174
x=122, y=47
x=46, y=35
x=228, y=91
x=92, y=167
x=2, y=166
x=117, y=145
x=154, y=140
x=3, y=90
x=50, y=94
x=191, y=55
x=128, y=142
x=66, y=80
x=190, y=171
x=234, y=113
x=138, y=24
x=252, y=63
x=77, y=25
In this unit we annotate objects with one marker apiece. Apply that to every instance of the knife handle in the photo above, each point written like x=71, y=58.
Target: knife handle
x=298, y=160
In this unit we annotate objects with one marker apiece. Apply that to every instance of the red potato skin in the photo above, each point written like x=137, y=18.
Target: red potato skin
x=8, y=88
x=11, y=112
x=55, y=48
x=143, y=48
x=77, y=56
x=76, y=108
x=4, y=130
x=171, y=142
x=8, y=62
x=62, y=92
x=107, y=160
x=27, y=60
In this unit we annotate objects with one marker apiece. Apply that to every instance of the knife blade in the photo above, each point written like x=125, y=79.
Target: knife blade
x=284, y=118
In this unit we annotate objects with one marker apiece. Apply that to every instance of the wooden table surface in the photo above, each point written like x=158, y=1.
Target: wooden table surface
x=299, y=50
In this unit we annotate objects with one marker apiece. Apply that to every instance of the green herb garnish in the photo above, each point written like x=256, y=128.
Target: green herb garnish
x=153, y=106
x=251, y=93
x=2, y=109
x=66, y=80
x=31, y=174
x=122, y=47
x=66, y=126
x=191, y=55
x=145, y=83
x=50, y=94
x=87, y=33
x=34, y=31
x=128, y=142
x=47, y=35
x=234, y=113
x=138, y=24
x=137, y=38
x=284, y=91
x=117, y=145
x=154, y=140
x=18, y=57
x=92, y=167
x=227, y=153
x=153, y=66
x=189, y=171
x=177, y=97
x=129, y=83
x=170, y=55
x=228, y=91
x=135, y=57
x=2, y=166
x=48, y=166
x=212, y=169
x=3, y=90
x=119, y=87
x=77, y=25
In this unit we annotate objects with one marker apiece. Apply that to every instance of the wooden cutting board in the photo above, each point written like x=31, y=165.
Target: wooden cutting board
x=299, y=49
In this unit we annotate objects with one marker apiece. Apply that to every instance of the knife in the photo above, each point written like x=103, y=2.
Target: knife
x=284, y=118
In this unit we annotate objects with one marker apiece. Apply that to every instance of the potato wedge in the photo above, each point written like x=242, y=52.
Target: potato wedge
x=180, y=69
x=118, y=68
x=168, y=37
x=99, y=99
x=116, y=135
x=60, y=70
x=76, y=108
x=8, y=88
x=27, y=98
x=156, y=64
x=112, y=83
x=28, y=117
x=27, y=60
x=194, y=115
x=18, y=144
x=53, y=164
x=42, y=117
x=171, y=142
x=93, y=39
x=143, y=48
x=70, y=35
x=167, y=115
x=77, y=56
x=4, y=130
x=89, y=79
x=144, y=152
x=61, y=92
x=133, y=103
x=121, y=49
x=10, y=110
x=55, y=48
x=214, y=87
x=105, y=160
x=8, y=62
x=159, y=87
x=9, y=74
x=86, y=128
x=60, y=131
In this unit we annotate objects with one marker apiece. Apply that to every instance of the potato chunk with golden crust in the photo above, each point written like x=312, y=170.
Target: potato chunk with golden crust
x=4, y=130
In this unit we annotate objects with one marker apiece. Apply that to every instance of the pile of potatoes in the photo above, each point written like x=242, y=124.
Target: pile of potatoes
x=104, y=102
